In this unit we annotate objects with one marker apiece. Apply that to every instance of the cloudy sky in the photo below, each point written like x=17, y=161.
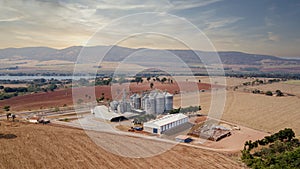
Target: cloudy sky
x=256, y=26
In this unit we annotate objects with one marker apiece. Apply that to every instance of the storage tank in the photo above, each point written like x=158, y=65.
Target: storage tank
x=168, y=101
x=160, y=103
x=124, y=107
x=137, y=101
x=148, y=106
x=114, y=105
x=152, y=104
x=143, y=102
x=131, y=99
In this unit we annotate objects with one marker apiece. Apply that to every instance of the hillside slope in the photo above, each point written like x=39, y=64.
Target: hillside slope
x=38, y=146
x=117, y=54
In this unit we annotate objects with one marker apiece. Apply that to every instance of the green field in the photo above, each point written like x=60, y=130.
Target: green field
x=293, y=82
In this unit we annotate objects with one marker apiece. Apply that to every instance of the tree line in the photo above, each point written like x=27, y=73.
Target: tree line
x=280, y=150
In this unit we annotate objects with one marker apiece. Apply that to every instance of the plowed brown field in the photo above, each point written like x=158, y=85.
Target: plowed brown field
x=60, y=97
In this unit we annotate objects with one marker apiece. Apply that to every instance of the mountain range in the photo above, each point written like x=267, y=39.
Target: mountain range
x=117, y=53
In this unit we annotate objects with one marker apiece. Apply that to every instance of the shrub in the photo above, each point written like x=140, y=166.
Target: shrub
x=269, y=93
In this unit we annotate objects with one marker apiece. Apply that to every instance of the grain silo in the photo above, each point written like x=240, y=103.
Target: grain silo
x=152, y=107
x=168, y=101
x=143, y=100
x=114, y=105
x=159, y=103
x=147, y=105
x=124, y=107
x=137, y=101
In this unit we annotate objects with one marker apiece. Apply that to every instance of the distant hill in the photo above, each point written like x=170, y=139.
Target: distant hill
x=117, y=54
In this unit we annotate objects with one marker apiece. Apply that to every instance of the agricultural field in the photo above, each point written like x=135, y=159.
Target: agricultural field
x=61, y=97
x=47, y=146
x=257, y=111
x=293, y=82
x=288, y=87
x=230, y=81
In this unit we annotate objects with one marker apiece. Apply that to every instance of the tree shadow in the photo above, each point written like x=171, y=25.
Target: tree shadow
x=7, y=136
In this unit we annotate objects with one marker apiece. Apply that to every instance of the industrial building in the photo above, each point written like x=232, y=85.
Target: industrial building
x=135, y=100
x=156, y=102
x=158, y=126
x=124, y=106
x=120, y=107
x=104, y=113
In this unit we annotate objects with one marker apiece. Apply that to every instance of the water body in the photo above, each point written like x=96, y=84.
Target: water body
x=44, y=77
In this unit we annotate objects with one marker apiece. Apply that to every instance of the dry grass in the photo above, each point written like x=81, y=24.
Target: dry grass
x=293, y=82
x=43, y=146
x=256, y=111
x=14, y=85
x=285, y=87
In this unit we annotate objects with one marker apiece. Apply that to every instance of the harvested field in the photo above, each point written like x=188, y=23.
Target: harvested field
x=293, y=82
x=60, y=97
x=261, y=112
x=230, y=81
x=289, y=87
x=44, y=146
x=14, y=85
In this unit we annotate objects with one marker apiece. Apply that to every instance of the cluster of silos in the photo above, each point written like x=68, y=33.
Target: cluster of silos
x=135, y=100
x=121, y=107
x=157, y=102
x=124, y=106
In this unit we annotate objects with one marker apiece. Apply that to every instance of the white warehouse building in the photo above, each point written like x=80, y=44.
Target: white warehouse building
x=158, y=126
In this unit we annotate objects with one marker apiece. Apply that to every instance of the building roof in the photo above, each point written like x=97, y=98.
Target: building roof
x=103, y=113
x=165, y=120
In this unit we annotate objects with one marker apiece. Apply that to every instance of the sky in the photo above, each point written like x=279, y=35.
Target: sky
x=257, y=26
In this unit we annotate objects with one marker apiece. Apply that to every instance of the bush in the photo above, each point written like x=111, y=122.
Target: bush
x=269, y=93
x=282, y=151
x=279, y=93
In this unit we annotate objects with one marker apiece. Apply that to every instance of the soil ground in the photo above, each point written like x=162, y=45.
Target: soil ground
x=45, y=146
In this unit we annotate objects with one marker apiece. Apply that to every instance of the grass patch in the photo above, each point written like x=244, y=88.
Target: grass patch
x=293, y=82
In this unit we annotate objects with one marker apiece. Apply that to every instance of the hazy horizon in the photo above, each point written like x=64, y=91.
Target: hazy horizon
x=262, y=27
x=285, y=57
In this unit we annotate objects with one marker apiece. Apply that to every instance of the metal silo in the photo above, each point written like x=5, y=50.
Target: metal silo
x=124, y=107
x=137, y=101
x=152, y=103
x=114, y=105
x=160, y=103
x=168, y=101
x=147, y=105
x=132, y=100
x=143, y=100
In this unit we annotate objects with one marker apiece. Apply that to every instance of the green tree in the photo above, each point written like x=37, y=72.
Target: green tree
x=151, y=85
x=138, y=80
x=6, y=108
x=157, y=79
x=52, y=87
x=269, y=93
x=279, y=93
x=148, y=79
x=163, y=80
